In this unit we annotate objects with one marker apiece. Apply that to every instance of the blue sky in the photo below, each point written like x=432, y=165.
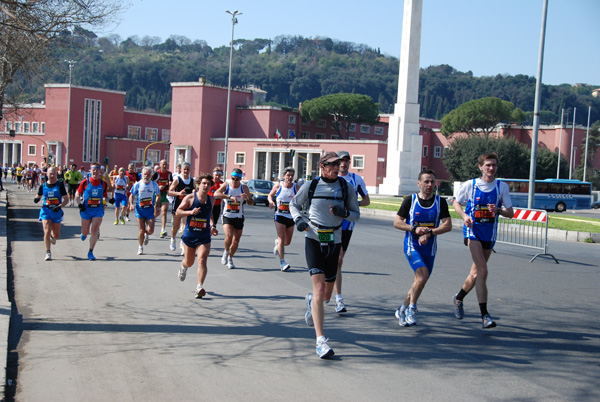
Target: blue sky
x=487, y=37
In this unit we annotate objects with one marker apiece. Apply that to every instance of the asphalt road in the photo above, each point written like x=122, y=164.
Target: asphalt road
x=125, y=328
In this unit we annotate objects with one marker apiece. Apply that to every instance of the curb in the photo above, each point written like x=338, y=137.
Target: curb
x=5, y=305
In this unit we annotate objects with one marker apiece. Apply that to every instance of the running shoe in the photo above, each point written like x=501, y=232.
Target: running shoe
x=48, y=256
x=182, y=273
x=308, y=316
x=401, y=316
x=163, y=234
x=140, y=250
x=488, y=322
x=83, y=237
x=146, y=239
x=340, y=307
x=459, y=311
x=181, y=247
x=200, y=292
x=98, y=233
x=323, y=349
x=224, y=258
x=127, y=219
x=284, y=266
x=275, y=249
x=91, y=256
x=172, y=245
x=116, y=222
x=230, y=264
x=122, y=221
x=52, y=240
x=411, y=315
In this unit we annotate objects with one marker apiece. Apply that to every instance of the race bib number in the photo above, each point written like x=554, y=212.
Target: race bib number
x=482, y=214
x=284, y=208
x=120, y=188
x=198, y=224
x=325, y=235
x=233, y=207
x=52, y=201
x=146, y=203
x=94, y=202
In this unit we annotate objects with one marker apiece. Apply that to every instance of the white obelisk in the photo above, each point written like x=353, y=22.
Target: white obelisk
x=403, y=162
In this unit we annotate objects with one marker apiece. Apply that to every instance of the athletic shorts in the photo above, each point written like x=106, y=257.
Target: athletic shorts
x=90, y=213
x=164, y=199
x=120, y=200
x=346, y=235
x=144, y=213
x=237, y=223
x=416, y=260
x=19, y=178
x=194, y=241
x=288, y=222
x=322, y=259
x=46, y=214
x=73, y=188
x=486, y=245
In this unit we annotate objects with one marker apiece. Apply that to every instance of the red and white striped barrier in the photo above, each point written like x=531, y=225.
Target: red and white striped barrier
x=533, y=215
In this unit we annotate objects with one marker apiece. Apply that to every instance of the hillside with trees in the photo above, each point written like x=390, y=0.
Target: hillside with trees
x=292, y=69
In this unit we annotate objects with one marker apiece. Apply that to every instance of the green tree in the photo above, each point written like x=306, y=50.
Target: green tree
x=343, y=108
x=592, y=173
x=479, y=115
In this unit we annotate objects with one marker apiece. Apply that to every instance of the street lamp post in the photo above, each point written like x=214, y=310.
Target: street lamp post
x=233, y=22
x=71, y=63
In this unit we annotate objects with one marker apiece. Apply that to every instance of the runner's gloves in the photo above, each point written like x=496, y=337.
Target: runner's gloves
x=81, y=207
x=340, y=211
x=301, y=225
x=37, y=199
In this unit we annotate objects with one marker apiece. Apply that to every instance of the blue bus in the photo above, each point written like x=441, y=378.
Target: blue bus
x=551, y=194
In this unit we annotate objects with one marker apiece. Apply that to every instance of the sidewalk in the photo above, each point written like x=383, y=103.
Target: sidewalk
x=5, y=306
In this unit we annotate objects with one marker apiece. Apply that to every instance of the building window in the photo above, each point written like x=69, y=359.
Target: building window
x=358, y=162
x=31, y=150
x=26, y=126
x=167, y=156
x=9, y=126
x=319, y=136
x=425, y=151
x=134, y=132
x=17, y=127
x=292, y=119
x=352, y=127
x=220, y=157
x=351, y=138
x=321, y=123
x=35, y=127
x=305, y=122
x=153, y=155
x=424, y=168
x=165, y=135
x=92, y=117
x=43, y=128
x=305, y=135
x=240, y=158
x=437, y=152
x=365, y=128
x=336, y=125
x=151, y=134
x=378, y=130
x=335, y=137
x=140, y=155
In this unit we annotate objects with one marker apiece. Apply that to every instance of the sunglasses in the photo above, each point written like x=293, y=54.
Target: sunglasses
x=337, y=163
x=236, y=179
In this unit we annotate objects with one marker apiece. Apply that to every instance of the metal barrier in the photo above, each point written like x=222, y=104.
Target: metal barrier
x=527, y=228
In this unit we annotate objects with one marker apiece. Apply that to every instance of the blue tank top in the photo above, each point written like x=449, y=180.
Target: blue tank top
x=51, y=195
x=484, y=221
x=199, y=225
x=92, y=195
x=428, y=217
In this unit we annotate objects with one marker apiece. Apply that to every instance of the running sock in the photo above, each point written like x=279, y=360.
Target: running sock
x=412, y=306
x=320, y=338
x=47, y=251
x=199, y=286
x=461, y=294
x=402, y=308
x=338, y=298
x=483, y=309
x=91, y=250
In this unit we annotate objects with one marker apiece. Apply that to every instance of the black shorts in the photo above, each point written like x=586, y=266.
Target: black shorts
x=288, y=222
x=19, y=178
x=237, y=223
x=322, y=259
x=346, y=235
x=486, y=245
x=72, y=188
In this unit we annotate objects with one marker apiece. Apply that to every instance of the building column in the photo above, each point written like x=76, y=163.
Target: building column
x=281, y=163
x=268, y=165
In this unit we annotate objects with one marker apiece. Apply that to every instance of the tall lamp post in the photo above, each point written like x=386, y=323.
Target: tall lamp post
x=233, y=22
x=71, y=63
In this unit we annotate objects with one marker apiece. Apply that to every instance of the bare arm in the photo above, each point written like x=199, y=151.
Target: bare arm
x=272, y=195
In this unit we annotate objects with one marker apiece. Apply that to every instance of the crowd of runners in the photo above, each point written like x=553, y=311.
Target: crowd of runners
x=325, y=209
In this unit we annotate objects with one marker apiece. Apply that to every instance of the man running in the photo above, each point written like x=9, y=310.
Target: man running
x=163, y=178
x=91, y=194
x=218, y=182
x=120, y=185
x=199, y=227
x=182, y=186
x=145, y=199
x=423, y=216
x=485, y=197
x=132, y=177
x=20, y=176
x=332, y=199
x=73, y=178
x=279, y=198
x=233, y=194
x=54, y=196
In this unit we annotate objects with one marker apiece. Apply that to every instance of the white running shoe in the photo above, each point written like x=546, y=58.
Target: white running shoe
x=127, y=218
x=182, y=273
x=224, y=258
x=200, y=292
x=172, y=245
x=163, y=234
x=230, y=264
x=140, y=250
x=181, y=247
x=52, y=240
x=146, y=239
x=308, y=315
x=48, y=256
x=323, y=349
x=275, y=249
x=284, y=266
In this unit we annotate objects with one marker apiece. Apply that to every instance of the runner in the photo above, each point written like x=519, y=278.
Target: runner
x=484, y=196
x=91, y=194
x=331, y=200
x=423, y=216
x=54, y=197
x=280, y=197
x=29, y=178
x=198, y=230
x=145, y=199
x=182, y=186
x=233, y=194
x=132, y=177
x=73, y=178
x=20, y=176
x=120, y=185
x=163, y=178
x=218, y=182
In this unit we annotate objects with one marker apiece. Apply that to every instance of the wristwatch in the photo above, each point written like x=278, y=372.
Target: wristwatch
x=430, y=232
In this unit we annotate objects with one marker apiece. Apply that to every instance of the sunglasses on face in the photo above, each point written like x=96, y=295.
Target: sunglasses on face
x=236, y=179
x=337, y=163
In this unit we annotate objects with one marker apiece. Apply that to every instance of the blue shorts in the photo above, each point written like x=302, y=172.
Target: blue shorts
x=144, y=213
x=46, y=214
x=416, y=260
x=194, y=241
x=90, y=213
x=120, y=200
